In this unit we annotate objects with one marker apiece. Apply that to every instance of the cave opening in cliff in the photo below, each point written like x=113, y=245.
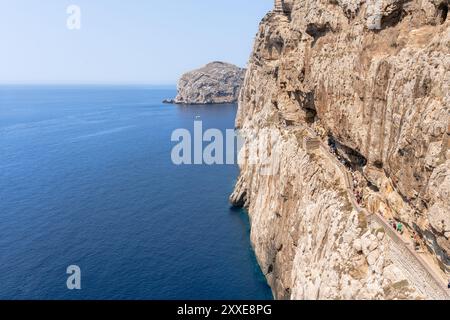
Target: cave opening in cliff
x=306, y=102
x=317, y=31
x=378, y=164
x=346, y=155
x=442, y=12
x=373, y=187
x=394, y=18
x=311, y=116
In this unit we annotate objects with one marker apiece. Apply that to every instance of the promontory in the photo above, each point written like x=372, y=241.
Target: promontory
x=215, y=83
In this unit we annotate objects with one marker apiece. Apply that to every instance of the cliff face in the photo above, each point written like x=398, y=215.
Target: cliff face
x=215, y=83
x=373, y=79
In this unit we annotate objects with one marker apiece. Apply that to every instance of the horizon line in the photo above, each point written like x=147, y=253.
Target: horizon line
x=87, y=84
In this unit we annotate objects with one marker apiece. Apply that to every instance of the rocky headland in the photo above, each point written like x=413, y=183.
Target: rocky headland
x=215, y=83
x=345, y=170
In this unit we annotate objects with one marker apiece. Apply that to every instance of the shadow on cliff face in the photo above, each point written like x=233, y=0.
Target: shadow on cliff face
x=349, y=156
x=393, y=18
x=317, y=31
x=442, y=12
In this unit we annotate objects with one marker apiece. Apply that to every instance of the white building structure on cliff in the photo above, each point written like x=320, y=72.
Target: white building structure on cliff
x=278, y=6
x=283, y=6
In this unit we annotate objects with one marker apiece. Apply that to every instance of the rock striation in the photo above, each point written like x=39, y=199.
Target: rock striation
x=215, y=83
x=374, y=78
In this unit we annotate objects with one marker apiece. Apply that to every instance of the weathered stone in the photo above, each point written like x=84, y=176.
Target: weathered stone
x=357, y=245
x=215, y=83
x=372, y=258
x=383, y=95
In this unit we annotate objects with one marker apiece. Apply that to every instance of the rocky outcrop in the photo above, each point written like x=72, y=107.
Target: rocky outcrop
x=215, y=83
x=374, y=78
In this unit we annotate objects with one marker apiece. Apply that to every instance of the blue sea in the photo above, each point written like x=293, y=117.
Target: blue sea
x=86, y=179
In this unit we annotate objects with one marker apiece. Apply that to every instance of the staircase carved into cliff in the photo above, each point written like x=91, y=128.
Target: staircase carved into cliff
x=416, y=269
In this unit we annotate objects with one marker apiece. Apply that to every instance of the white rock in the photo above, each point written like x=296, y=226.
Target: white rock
x=372, y=258
x=357, y=245
x=393, y=273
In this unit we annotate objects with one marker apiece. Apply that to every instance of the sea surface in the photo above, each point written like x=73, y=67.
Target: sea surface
x=86, y=179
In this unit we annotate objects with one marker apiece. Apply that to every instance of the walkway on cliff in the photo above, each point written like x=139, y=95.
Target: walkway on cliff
x=390, y=231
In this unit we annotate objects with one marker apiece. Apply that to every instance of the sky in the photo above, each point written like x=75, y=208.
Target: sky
x=123, y=42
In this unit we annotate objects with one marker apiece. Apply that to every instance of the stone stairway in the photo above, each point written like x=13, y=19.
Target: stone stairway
x=419, y=273
x=417, y=270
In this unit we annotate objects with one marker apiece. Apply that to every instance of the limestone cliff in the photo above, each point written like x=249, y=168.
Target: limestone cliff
x=371, y=79
x=215, y=83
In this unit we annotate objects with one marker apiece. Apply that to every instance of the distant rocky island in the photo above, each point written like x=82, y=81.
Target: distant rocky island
x=215, y=83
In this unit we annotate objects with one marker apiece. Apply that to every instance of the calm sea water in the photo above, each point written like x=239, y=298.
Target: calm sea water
x=86, y=178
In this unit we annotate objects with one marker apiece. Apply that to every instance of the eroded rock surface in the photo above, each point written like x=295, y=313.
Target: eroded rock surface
x=215, y=83
x=375, y=77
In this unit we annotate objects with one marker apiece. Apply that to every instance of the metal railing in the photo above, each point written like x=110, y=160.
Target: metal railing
x=392, y=234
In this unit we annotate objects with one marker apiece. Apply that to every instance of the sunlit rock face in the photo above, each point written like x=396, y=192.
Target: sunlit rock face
x=215, y=83
x=374, y=76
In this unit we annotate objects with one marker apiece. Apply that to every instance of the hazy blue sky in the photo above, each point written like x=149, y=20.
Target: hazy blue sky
x=132, y=41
